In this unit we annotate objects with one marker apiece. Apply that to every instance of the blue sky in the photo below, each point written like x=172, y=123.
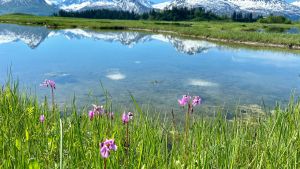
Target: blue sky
x=157, y=1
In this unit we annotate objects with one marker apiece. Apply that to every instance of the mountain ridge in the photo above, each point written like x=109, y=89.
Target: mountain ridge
x=137, y=6
x=36, y=7
x=227, y=7
x=220, y=7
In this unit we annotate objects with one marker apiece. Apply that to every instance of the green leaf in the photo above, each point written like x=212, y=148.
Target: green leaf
x=140, y=150
x=27, y=135
x=18, y=144
x=30, y=110
x=34, y=165
x=136, y=104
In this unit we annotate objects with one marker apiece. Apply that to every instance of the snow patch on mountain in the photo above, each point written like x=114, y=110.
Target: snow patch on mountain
x=222, y=7
x=36, y=7
x=75, y=7
x=138, y=6
x=265, y=6
x=51, y=2
x=162, y=5
x=259, y=4
x=227, y=7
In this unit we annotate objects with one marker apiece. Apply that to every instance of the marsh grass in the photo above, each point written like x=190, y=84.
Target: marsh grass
x=68, y=138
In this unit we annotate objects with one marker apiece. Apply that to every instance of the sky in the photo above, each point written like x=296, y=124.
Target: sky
x=157, y=1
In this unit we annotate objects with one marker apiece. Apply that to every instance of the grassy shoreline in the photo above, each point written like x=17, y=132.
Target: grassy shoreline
x=219, y=31
x=71, y=139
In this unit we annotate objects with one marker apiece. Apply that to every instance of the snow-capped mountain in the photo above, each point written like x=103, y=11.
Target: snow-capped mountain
x=222, y=7
x=138, y=6
x=227, y=7
x=266, y=7
x=48, y=7
x=37, y=7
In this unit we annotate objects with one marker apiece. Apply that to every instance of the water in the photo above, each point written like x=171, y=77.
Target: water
x=293, y=30
x=156, y=68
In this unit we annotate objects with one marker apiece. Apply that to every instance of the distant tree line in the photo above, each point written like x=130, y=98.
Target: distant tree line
x=244, y=17
x=248, y=17
x=181, y=14
x=275, y=19
x=100, y=14
x=174, y=14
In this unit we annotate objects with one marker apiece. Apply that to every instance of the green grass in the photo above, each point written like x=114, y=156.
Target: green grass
x=269, y=141
x=214, y=30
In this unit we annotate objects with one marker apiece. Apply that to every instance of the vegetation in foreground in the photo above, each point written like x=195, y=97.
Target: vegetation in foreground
x=257, y=34
x=35, y=135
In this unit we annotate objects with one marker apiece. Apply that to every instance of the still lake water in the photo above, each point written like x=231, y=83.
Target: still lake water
x=156, y=68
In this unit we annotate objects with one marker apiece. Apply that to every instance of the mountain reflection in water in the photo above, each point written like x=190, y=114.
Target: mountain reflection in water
x=34, y=36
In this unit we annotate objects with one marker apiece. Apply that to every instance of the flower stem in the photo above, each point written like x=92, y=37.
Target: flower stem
x=53, y=104
x=127, y=144
x=61, y=146
x=104, y=163
x=127, y=138
x=187, y=127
